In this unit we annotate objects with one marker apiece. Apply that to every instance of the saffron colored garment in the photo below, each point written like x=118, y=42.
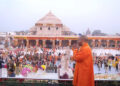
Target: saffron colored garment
x=83, y=75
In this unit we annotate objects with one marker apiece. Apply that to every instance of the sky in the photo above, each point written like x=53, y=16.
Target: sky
x=78, y=15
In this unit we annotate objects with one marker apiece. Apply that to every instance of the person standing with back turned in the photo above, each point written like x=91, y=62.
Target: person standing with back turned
x=82, y=54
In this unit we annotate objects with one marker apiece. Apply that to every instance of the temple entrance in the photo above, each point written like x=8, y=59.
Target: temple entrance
x=96, y=43
x=32, y=42
x=40, y=43
x=73, y=42
x=111, y=43
x=48, y=43
x=56, y=43
x=24, y=43
x=104, y=43
x=65, y=43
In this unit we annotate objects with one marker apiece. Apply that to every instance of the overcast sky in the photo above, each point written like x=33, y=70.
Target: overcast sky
x=78, y=15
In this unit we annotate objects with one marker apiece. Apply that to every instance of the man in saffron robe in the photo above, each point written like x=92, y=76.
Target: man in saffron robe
x=83, y=75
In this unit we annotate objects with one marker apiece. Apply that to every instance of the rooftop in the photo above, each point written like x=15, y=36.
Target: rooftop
x=49, y=18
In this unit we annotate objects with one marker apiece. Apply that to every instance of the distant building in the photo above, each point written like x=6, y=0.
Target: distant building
x=88, y=32
x=98, y=33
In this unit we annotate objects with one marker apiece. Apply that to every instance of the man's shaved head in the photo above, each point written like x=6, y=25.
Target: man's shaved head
x=83, y=38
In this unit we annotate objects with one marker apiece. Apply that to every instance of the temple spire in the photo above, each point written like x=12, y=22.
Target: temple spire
x=88, y=32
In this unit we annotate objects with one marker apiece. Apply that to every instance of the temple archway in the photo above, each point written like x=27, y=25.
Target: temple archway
x=65, y=43
x=40, y=43
x=96, y=43
x=24, y=42
x=73, y=42
x=111, y=43
x=103, y=43
x=118, y=44
x=56, y=42
x=48, y=43
x=32, y=43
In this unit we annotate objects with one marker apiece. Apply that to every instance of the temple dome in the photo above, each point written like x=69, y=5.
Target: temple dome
x=50, y=18
x=32, y=29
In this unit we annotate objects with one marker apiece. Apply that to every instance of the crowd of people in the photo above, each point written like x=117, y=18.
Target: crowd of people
x=14, y=59
x=108, y=61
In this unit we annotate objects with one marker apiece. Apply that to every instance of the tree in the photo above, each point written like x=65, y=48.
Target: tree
x=98, y=33
x=117, y=34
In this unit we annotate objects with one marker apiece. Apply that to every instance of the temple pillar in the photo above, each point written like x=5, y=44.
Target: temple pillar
x=69, y=42
x=44, y=43
x=93, y=43
x=37, y=42
x=116, y=43
x=107, y=44
x=27, y=44
x=53, y=43
x=60, y=43
x=99, y=43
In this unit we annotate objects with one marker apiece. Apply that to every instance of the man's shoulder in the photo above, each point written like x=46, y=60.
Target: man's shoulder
x=87, y=47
